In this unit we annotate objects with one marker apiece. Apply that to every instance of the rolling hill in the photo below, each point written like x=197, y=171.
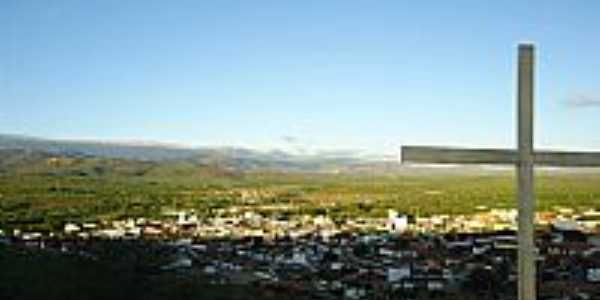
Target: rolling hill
x=24, y=151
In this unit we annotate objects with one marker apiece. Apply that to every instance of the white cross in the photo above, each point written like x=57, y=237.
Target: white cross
x=524, y=158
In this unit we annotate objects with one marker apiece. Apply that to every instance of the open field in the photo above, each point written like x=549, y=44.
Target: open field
x=42, y=197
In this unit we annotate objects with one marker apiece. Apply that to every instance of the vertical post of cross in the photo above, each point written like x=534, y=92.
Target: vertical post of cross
x=525, y=182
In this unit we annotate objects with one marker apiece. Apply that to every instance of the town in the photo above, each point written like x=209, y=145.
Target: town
x=399, y=256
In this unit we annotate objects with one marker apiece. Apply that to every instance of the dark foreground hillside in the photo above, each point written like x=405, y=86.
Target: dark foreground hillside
x=26, y=274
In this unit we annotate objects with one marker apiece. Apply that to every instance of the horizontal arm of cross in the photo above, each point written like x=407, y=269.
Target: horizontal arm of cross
x=446, y=155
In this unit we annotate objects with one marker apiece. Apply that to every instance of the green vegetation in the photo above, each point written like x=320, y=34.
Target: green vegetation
x=43, y=193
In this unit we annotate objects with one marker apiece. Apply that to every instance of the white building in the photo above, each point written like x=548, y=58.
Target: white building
x=593, y=275
x=71, y=228
x=396, y=223
x=398, y=273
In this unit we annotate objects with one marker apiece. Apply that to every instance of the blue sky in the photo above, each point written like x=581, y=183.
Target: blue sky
x=367, y=75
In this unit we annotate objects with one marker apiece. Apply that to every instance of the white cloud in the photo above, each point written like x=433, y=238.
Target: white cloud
x=289, y=139
x=584, y=100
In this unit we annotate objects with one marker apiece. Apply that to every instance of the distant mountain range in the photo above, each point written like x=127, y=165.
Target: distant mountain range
x=225, y=157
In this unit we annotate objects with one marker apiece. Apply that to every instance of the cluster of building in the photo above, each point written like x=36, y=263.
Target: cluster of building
x=397, y=256
x=239, y=223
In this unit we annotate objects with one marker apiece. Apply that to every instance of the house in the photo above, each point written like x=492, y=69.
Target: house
x=89, y=226
x=31, y=236
x=180, y=263
x=395, y=274
x=435, y=285
x=461, y=248
x=593, y=274
x=111, y=233
x=354, y=293
x=562, y=224
x=209, y=270
x=33, y=239
x=589, y=220
x=336, y=266
x=71, y=228
x=151, y=231
x=396, y=223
